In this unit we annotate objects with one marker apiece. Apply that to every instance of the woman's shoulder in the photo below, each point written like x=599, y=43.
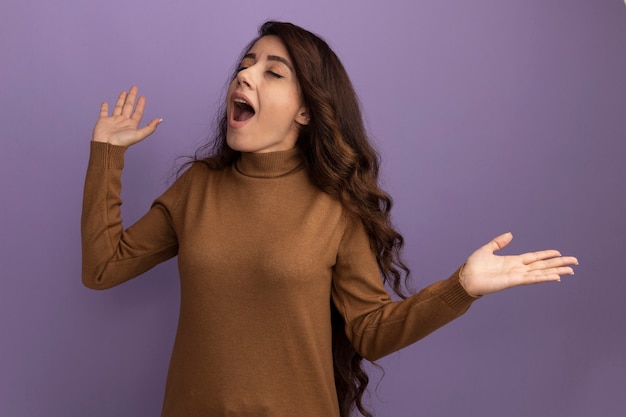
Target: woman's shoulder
x=192, y=179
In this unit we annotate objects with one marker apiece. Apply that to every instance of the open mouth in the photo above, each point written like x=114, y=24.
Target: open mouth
x=242, y=111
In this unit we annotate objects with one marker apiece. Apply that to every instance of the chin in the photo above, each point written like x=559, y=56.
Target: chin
x=241, y=146
x=235, y=144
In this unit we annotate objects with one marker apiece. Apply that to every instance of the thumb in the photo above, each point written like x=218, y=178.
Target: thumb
x=149, y=129
x=499, y=242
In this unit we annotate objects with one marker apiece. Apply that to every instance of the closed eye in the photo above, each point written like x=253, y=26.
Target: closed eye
x=274, y=74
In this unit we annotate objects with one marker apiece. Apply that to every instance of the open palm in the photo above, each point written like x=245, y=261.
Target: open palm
x=122, y=126
x=485, y=273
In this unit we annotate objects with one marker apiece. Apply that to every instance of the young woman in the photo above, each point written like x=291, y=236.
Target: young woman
x=284, y=243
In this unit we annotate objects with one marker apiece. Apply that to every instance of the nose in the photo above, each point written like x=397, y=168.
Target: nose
x=244, y=78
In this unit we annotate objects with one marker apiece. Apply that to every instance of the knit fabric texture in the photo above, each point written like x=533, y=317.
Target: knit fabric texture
x=262, y=252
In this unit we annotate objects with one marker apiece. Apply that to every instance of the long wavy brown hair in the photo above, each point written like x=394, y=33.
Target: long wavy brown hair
x=342, y=162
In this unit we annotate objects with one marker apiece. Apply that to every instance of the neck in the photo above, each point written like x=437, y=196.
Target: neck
x=269, y=164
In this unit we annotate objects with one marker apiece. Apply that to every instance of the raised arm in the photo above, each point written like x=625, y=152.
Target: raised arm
x=112, y=254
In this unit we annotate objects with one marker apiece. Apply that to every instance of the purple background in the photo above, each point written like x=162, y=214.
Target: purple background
x=491, y=115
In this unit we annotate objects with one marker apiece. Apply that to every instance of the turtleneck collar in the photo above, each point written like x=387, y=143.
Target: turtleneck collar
x=269, y=164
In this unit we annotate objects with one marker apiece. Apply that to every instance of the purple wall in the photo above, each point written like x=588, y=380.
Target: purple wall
x=491, y=115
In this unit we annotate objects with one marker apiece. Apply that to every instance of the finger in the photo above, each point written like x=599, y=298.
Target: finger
x=155, y=122
x=104, y=110
x=558, y=262
x=129, y=104
x=117, y=110
x=149, y=129
x=564, y=261
x=499, y=242
x=138, y=113
x=552, y=274
x=563, y=270
x=531, y=257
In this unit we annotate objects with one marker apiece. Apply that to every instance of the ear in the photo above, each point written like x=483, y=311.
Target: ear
x=302, y=118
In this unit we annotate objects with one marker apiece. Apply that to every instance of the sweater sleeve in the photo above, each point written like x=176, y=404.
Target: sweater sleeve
x=112, y=255
x=376, y=325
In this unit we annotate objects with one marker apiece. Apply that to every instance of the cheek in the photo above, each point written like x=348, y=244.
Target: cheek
x=289, y=101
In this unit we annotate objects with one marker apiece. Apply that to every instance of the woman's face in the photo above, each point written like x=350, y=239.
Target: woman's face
x=264, y=104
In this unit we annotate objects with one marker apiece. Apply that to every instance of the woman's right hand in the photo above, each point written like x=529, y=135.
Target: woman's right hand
x=122, y=127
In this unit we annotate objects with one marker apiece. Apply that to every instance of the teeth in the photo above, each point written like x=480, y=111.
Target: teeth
x=240, y=100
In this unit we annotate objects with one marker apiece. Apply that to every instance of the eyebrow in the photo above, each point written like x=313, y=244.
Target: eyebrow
x=276, y=58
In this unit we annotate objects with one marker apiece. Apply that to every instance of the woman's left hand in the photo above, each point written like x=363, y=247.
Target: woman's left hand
x=485, y=273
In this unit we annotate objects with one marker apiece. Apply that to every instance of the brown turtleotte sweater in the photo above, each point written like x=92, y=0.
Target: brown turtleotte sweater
x=261, y=253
